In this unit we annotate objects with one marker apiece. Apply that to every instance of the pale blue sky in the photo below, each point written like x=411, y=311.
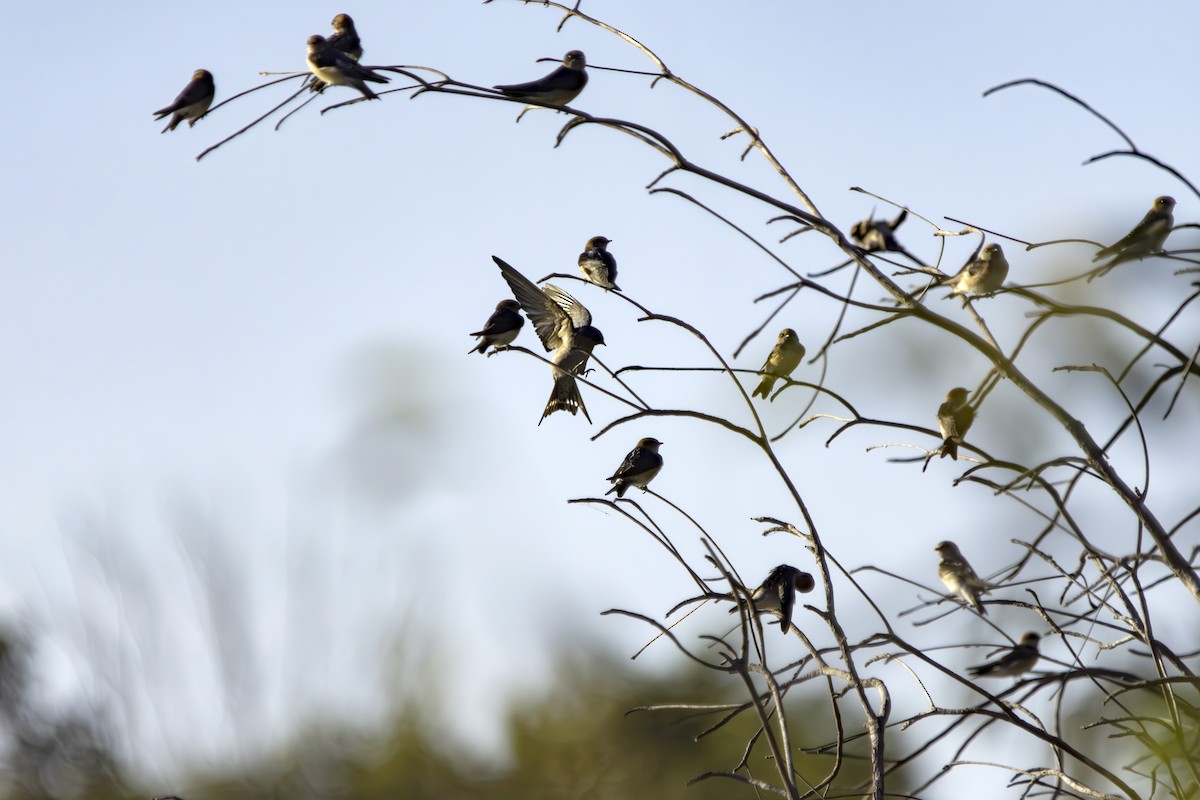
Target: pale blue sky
x=264, y=354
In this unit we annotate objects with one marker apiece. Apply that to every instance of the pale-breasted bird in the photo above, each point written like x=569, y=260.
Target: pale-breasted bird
x=984, y=273
x=556, y=89
x=960, y=579
x=777, y=595
x=597, y=264
x=192, y=103
x=785, y=356
x=336, y=68
x=638, y=468
x=1017, y=661
x=1146, y=238
x=501, y=327
x=344, y=40
x=565, y=327
x=954, y=418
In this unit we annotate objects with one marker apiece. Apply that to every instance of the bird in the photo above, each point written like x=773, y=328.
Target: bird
x=345, y=40
x=192, y=103
x=565, y=327
x=597, y=264
x=1146, y=238
x=501, y=327
x=954, y=418
x=960, y=579
x=335, y=68
x=878, y=235
x=638, y=468
x=1018, y=660
x=556, y=89
x=984, y=273
x=785, y=356
x=777, y=594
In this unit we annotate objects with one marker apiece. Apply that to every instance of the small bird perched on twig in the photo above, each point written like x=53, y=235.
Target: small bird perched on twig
x=954, y=418
x=959, y=577
x=192, y=103
x=984, y=273
x=1146, y=238
x=784, y=358
x=345, y=40
x=639, y=467
x=597, y=264
x=777, y=594
x=556, y=89
x=336, y=68
x=501, y=327
x=1017, y=661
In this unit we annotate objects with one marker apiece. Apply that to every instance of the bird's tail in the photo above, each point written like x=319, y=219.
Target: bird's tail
x=565, y=397
x=764, y=386
x=479, y=348
x=619, y=487
x=949, y=448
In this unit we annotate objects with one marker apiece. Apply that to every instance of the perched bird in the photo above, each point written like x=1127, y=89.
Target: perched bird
x=565, y=328
x=344, y=40
x=958, y=576
x=638, y=468
x=556, y=89
x=192, y=103
x=777, y=595
x=335, y=68
x=874, y=235
x=597, y=264
x=785, y=356
x=984, y=273
x=1020, y=659
x=954, y=418
x=501, y=328
x=1146, y=238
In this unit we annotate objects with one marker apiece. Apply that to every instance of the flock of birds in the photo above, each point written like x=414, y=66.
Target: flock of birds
x=565, y=328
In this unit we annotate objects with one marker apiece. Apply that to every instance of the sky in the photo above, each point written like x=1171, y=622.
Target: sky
x=241, y=430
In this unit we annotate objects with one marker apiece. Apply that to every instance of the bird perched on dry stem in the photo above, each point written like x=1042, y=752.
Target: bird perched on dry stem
x=959, y=577
x=879, y=235
x=335, y=68
x=954, y=418
x=777, y=594
x=345, y=40
x=1146, y=238
x=597, y=264
x=565, y=327
x=192, y=103
x=984, y=273
x=639, y=467
x=501, y=327
x=785, y=356
x=556, y=89
x=1017, y=661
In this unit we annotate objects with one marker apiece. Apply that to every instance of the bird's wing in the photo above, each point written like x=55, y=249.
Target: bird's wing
x=194, y=92
x=579, y=315
x=549, y=319
x=560, y=78
x=1133, y=236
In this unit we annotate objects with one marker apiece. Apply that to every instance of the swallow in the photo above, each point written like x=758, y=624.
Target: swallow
x=597, y=264
x=344, y=40
x=954, y=418
x=777, y=595
x=960, y=579
x=335, y=68
x=984, y=273
x=785, y=356
x=638, y=468
x=501, y=328
x=556, y=89
x=878, y=235
x=192, y=103
x=565, y=327
x=1020, y=659
x=1146, y=238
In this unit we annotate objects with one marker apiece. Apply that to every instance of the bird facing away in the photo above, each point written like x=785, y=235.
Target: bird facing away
x=335, y=68
x=597, y=264
x=556, y=89
x=1146, y=238
x=345, y=40
x=565, y=327
x=785, y=356
x=777, y=595
x=874, y=235
x=984, y=273
x=501, y=327
x=1017, y=661
x=954, y=418
x=958, y=576
x=192, y=103
x=638, y=468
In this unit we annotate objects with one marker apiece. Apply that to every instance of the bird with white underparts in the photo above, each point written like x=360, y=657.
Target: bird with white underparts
x=345, y=40
x=332, y=66
x=983, y=274
x=501, y=327
x=597, y=264
x=639, y=467
x=954, y=417
x=785, y=356
x=556, y=89
x=565, y=328
x=192, y=103
x=1146, y=238
x=959, y=577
